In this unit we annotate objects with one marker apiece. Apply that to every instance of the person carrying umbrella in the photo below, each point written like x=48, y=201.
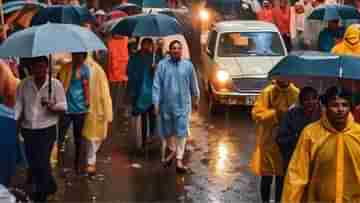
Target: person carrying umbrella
x=331, y=35
x=141, y=74
x=327, y=156
x=38, y=115
x=270, y=106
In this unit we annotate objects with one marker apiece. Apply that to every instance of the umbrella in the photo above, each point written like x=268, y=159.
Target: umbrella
x=50, y=38
x=150, y=3
x=68, y=14
x=12, y=6
x=130, y=9
x=334, y=12
x=323, y=70
x=155, y=25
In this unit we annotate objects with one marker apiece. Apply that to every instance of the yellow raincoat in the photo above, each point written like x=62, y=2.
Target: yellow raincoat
x=100, y=111
x=350, y=45
x=266, y=159
x=325, y=166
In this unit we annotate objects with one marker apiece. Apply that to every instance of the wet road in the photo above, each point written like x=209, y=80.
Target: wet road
x=218, y=155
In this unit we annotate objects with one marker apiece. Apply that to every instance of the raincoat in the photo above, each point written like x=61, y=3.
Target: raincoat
x=327, y=38
x=100, y=109
x=174, y=85
x=266, y=159
x=118, y=57
x=325, y=166
x=350, y=45
x=140, y=82
x=8, y=84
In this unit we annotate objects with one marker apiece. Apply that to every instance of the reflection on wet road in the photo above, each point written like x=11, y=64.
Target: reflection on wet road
x=220, y=172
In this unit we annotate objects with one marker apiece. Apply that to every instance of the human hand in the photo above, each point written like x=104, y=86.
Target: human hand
x=156, y=110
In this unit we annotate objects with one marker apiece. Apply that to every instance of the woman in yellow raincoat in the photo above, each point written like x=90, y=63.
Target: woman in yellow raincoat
x=325, y=166
x=100, y=113
x=271, y=104
x=350, y=45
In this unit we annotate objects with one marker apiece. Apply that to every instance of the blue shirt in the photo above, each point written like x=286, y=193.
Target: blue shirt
x=75, y=95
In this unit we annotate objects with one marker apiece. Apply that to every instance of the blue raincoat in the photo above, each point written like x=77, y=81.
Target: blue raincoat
x=327, y=38
x=175, y=83
x=140, y=82
x=8, y=144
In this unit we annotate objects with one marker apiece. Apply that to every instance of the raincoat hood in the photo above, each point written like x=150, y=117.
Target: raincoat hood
x=350, y=45
x=352, y=36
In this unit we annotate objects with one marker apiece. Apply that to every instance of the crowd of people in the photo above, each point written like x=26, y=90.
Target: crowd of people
x=89, y=90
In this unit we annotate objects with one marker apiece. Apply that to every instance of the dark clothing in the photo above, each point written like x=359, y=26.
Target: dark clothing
x=140, y=82
x=327, y=38
x=290, y=129
x=287, y=41
x=148, y=122
x=38, y=147
x=265, y=188
x=78, y=124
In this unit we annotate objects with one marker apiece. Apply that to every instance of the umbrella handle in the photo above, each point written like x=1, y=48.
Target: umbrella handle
x=50, y=76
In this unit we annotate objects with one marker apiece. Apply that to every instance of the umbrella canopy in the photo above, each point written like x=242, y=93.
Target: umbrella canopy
x=150, y=3
x=155, y=25
x=334, y=12
x=317, y=67
x=67, y=14
x=129, y=8
x=12, y=6
x=50, y=38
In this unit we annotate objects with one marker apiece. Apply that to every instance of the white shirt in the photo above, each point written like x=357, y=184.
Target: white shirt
x=28, y=106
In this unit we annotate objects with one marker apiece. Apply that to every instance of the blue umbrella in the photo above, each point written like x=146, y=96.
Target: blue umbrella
x=150, y=3
x=154, y=25
x=12, y=6
x=128, y=8
x=67, y=14
x=50, y=38
x=334, y=12
x=317, y=67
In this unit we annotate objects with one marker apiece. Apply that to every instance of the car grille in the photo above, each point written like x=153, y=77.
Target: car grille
x=250, y=84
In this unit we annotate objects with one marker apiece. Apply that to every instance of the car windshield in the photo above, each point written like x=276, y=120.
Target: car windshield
x=239, y=44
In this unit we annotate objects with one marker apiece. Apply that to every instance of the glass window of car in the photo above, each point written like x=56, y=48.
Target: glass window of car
x=212, y=42
x=242, y=44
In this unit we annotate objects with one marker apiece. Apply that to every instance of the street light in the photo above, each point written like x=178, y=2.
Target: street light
x=204, y=15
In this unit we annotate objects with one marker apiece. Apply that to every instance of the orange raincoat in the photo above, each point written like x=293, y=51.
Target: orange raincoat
x=325, y=166
x=118, y=58
x=266, y=160
x=350, y=45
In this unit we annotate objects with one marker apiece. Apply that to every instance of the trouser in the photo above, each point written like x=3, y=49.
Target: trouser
x=287, y=41
x=174, y=143
x=38, y=146
x=148, y=124
x=266, y=182
x=78, y=125
x=92, y=148
x=119, y=95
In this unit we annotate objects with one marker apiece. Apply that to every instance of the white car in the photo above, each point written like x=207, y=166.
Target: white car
x=237, y=59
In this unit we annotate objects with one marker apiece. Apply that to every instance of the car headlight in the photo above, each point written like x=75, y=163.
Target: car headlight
x=222, y=76
x=204, y=15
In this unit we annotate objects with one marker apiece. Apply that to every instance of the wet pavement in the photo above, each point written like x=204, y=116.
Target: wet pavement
x=218, y=154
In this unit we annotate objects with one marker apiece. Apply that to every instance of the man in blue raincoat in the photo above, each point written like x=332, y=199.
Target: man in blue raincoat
x=175, y=83
x=140, y=82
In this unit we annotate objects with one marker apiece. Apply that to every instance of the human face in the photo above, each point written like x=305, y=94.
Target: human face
x=147, y=47
x=310, y=102
x=176, y=51
x=78, y=58
x=39, y=70
x=333, y=25
x=337, y=112
x=282, y=84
